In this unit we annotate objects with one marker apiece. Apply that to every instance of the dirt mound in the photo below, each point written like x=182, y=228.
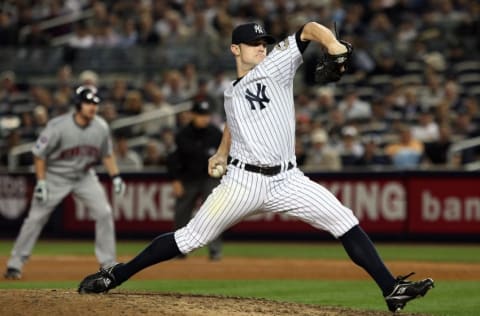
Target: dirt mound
x=65, y=302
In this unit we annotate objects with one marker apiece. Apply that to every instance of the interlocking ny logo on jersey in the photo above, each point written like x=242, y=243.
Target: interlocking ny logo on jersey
x=260, y=97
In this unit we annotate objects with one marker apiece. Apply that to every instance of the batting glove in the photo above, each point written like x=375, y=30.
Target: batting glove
x=40, y=192
x=118, y=185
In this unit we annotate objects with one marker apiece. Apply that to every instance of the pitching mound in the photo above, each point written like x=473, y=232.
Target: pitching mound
x=61, y=302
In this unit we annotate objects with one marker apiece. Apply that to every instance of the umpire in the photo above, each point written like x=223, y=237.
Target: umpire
x=188, y=167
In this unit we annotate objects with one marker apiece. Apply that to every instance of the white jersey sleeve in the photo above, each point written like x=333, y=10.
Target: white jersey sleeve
x=283, y=61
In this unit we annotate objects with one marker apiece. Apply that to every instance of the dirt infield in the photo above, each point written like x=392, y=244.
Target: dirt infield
x=64, y=302
x=55, y=302
x=43, y=268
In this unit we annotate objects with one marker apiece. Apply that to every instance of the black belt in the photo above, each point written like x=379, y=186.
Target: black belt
x=268, y=171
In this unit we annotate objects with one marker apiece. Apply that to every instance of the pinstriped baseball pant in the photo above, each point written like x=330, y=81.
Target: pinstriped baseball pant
x=243, y=193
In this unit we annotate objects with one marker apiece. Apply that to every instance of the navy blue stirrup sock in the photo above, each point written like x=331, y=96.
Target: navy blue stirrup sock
x=162, y=248
x=361, y=250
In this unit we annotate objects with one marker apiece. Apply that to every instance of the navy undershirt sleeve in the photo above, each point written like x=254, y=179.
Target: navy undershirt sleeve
x=302, y=45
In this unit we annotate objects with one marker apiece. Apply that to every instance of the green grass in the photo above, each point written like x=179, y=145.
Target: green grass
x=459, y=298
x=307, y=250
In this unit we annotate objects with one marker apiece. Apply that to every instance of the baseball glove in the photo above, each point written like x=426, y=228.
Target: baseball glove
x=332, y=67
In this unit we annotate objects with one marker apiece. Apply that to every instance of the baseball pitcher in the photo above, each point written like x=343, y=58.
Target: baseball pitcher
x=258, y=151
x=64, y=155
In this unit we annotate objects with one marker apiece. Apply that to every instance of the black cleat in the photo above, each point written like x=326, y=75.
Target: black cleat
x=100, y=282
x=12, y=274
x=405, y=291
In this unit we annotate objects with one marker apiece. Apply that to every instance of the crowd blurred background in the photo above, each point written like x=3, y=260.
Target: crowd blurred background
x=410, y=95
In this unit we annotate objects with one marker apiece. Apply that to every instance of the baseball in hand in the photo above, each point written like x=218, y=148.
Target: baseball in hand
x=217, y=172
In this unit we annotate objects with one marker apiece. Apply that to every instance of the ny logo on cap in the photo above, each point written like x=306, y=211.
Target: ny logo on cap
x=258, y=29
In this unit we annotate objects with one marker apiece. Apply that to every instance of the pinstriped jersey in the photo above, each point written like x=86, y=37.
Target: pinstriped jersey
x=260, y=108
x=69, y=149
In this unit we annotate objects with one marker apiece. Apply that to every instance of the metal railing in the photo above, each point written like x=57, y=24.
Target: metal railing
x=460, y=146
x=115, y=125
x=57, y=21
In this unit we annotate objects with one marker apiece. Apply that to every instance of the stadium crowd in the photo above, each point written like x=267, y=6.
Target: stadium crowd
x=410, y=93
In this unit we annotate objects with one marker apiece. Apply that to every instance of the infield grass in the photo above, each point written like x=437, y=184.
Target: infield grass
x=449, y=298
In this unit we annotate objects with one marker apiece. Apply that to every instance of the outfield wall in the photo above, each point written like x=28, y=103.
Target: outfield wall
x=398, y=205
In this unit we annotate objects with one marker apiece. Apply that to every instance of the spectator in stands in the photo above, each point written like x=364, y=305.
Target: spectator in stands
x=41, y=117
x=173, y=87
x=380, y=31
x=406, y=34
x=407, y=105
x=171, y=29
x=129, y=34
x=350, y=148
x=108, y=111
x=146, y=34
x=324, y=101
x=89, y=78
x=304, y=105
x=320, y=155
x=127, y=159
x=118, y=93
x=152, y=156
x=406, y=151
x=436, y=152
x=8, y=29
x=106, y=36
x=373, y=155
x=387, y=64
x=41, y=95
x=380, y=120
x=463, y=125
x=159, y=104
x=64, y=76
x=426, y=130
x=133, y=106
x=353, y=107
x=204, y=94
x=8, y=85
x=167, y=145
x=27, y=127
x=82, y=38
x=470, y=105
x=191, y=79
x=334, y=125
x=452, y=95
x=433, y=92
x=304, y=128
x=217, y=86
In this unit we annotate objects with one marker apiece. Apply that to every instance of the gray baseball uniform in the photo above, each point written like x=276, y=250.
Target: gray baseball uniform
x=260, y=115
x=70, y=151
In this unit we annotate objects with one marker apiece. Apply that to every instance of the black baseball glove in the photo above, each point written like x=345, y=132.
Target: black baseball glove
x=332, y=67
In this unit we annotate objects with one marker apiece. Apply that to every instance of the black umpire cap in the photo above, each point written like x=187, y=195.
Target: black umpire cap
x=249, y=33
x=202, y=107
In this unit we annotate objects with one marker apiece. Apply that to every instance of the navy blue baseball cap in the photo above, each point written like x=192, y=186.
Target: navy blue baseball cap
x=249, y=33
